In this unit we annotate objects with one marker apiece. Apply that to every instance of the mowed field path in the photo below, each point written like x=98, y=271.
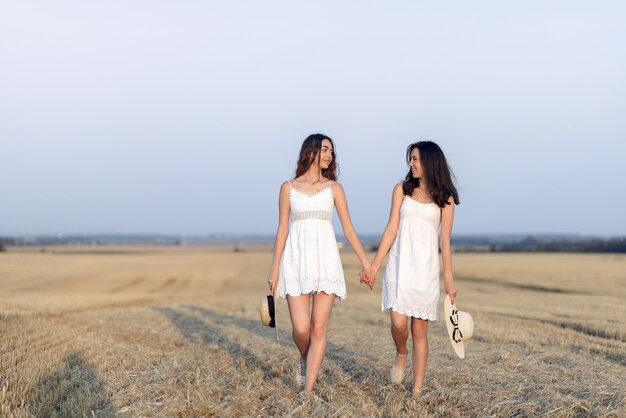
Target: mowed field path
x=158, y=331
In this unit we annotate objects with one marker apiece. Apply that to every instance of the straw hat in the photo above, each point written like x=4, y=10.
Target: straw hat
x=268, y=314
x=460, y=326
x=268, y=311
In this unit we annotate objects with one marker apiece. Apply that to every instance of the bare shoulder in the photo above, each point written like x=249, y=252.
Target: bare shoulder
x=336, y=186
x=285, y=186
x=449, y=206
x=398, y=192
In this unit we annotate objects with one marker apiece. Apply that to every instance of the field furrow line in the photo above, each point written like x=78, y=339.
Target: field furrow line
x=344, y=366
x=124, y=287
x=573, y=326
x=521, y=286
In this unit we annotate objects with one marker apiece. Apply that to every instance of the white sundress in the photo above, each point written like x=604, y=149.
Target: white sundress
x=310, y=261
x=411, y=282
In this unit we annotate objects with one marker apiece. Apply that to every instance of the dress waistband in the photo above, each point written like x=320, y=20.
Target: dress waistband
x=314, y=214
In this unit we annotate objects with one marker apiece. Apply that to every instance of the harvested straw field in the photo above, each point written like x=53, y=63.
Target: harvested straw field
x=154, y=331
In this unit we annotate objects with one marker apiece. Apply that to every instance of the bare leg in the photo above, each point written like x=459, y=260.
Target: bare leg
x=419, y=331
x=400, y=335
x=300, y=322
x=322, y=307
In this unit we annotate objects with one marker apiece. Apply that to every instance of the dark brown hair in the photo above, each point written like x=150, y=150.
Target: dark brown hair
x=310, y=151
x=437, y=174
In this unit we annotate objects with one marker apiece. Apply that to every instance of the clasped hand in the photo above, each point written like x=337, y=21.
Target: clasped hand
x=368, y=276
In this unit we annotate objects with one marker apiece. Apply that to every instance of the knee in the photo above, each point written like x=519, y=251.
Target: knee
x=301, y=332
x=399, y=328
x=318, y=330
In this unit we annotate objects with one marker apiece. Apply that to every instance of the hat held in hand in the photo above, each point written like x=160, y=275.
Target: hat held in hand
x=268, y=311
x=460, y=326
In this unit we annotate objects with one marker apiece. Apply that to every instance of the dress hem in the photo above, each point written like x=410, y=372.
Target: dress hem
x=341, y=297
x=412, y=314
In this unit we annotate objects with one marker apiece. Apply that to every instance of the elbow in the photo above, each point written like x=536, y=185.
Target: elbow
x=350, y=237
x=391, y=231
x=282, y=231
x=444, y=246
x=349, y=233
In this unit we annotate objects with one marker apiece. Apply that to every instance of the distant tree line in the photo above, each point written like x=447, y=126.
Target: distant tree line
x=616, y=245
x=532, y=244
x=511, y=243
x=95, y=240
x=539, y=245
x=6, y=241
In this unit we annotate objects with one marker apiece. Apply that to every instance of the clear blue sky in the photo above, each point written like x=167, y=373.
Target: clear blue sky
x=185, y=117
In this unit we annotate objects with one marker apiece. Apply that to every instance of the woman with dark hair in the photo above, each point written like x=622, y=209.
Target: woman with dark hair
x=306, y=263
x=420, y=222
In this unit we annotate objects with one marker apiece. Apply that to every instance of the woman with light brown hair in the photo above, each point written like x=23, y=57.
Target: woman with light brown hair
x=306, y=265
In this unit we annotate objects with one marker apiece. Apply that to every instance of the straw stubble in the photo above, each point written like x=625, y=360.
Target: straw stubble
x=175, y=332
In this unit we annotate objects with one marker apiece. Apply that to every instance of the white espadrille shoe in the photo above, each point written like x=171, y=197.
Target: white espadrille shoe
x=300, y=378
x=396, y=374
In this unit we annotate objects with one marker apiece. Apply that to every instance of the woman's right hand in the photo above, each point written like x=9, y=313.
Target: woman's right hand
x=368, y=276
x=272, y=281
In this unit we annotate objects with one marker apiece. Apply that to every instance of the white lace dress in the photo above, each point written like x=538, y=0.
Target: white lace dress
x=310, y=261
x=411, y=282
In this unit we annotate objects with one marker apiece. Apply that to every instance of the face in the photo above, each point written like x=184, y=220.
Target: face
x=415, y=165
x=326, y=156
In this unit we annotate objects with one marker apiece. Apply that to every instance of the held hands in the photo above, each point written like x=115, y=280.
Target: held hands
x=368, y=276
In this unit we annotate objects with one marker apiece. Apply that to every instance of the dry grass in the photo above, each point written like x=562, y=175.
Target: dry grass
x=175, y=332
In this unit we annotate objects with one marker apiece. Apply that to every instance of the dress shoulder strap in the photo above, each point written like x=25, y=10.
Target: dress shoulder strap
x=289, y=181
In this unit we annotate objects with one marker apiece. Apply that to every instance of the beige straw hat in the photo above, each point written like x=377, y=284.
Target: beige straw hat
x=268, y=313
x=460, y=326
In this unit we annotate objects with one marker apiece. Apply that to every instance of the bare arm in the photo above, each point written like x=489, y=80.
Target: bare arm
x=391, y=230
x=281, y=235
x=346, y=223
x=447, y=218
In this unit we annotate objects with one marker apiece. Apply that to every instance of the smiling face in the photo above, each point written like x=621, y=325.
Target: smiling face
x=318, y=153
x=326, y=154
x=415, y=165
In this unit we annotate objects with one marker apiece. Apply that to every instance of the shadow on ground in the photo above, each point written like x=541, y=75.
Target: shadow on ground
x=192, y=328
x=74, y=390
x=200, y=332
x=346, y=359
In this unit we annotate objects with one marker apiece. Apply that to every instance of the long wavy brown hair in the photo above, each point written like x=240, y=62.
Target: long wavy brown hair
x=437, y=174
x=311, y=151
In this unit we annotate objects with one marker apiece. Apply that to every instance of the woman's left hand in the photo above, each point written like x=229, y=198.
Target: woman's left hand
x=450, y=289
x=368, y=276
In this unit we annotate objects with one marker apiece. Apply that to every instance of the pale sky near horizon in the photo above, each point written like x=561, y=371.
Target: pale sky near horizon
x=185, y=117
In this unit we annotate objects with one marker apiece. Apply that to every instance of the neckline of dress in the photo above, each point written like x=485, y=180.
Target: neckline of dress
x=421, y=203
x=310, y=195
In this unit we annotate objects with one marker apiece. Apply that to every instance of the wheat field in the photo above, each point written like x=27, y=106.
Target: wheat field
x=158, y=331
